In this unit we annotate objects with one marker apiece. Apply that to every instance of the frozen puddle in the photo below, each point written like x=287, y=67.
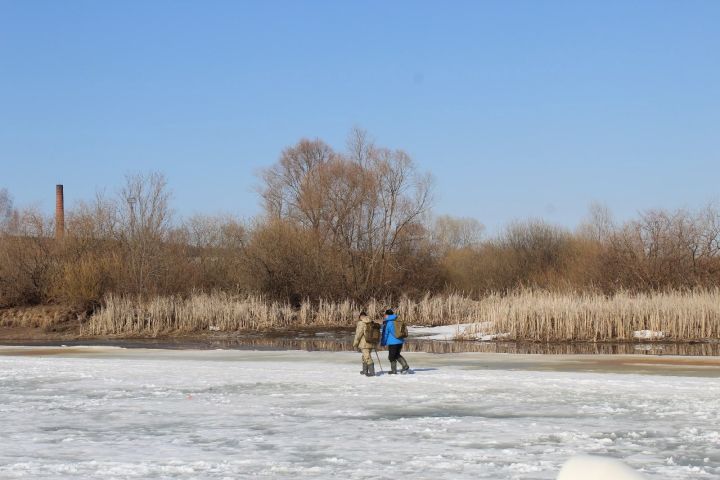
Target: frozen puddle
x=232, y=414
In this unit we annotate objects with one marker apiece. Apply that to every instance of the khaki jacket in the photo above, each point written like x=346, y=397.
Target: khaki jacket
x=359, y=341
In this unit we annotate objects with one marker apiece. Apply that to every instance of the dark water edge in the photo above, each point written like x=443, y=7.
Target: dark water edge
x=338, y=342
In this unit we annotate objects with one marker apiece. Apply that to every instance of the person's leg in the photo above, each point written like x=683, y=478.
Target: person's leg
x=401, y=359
x=393, y=352
x=368, y=364
x=364, y=363
x=366, y=358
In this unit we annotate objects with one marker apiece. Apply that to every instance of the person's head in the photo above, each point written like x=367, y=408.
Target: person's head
x=389, y=312
x=363, y=314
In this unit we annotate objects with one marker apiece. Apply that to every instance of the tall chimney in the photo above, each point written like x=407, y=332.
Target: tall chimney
x=59, y=212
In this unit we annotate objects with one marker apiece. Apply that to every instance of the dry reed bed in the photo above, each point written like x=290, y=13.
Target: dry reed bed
x=524, y=315
x=44, y=317
x=540, y=316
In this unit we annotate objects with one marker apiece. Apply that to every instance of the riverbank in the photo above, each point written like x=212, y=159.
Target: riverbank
x=521, y=317
x=339, y=340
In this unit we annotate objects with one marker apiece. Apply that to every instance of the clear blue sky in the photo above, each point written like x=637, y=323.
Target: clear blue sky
x=519, y=108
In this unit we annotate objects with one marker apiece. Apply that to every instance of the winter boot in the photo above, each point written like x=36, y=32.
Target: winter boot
x=364, y=370
x=371, y=370
x=405, y=366
x=393, y=368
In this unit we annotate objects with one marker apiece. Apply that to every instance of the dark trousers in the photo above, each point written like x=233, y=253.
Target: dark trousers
x=394, y=352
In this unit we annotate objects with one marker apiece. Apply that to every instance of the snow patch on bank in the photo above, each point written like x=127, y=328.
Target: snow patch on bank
x=482, y=331
x=444, y=332
x=485, y=332
x=648, y=335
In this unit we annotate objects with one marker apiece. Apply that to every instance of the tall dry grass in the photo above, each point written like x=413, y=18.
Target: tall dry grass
x=217, y=311
x=552, y=317
x=135, y=315
x=46, y=317
x=523, y=315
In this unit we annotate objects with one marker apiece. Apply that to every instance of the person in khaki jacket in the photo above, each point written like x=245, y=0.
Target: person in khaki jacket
x=367, y=336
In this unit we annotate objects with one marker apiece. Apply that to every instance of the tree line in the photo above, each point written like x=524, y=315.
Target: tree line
x=352, y=224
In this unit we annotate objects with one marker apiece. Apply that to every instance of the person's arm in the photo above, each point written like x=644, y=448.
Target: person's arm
x=359, y=332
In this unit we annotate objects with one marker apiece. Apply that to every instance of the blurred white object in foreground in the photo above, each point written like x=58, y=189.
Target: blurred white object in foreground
x=585, y=467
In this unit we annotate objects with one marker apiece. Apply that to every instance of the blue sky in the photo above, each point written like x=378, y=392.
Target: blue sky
x=519, y=108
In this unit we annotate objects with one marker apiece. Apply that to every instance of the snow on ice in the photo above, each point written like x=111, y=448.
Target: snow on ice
x=232, y=414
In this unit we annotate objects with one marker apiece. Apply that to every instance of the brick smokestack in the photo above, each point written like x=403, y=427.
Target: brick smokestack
x=59, y=212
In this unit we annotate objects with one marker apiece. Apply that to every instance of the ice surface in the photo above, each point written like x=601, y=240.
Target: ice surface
x=234, y=414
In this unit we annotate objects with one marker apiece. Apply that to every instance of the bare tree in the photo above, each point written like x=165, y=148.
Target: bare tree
x=6, y=209
x=599, y=224
x=403, y=197
x=360, y=207
x=450, y=232
x=25, y=258
x=144, y=220
x=709, y=225
x=289, y=184
x=359, y=146
x=95, y=220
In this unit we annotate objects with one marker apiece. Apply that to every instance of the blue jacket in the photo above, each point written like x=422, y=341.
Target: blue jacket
x=388, y=332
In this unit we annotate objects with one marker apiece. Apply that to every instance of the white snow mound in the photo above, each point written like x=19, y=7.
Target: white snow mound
x=586, y=467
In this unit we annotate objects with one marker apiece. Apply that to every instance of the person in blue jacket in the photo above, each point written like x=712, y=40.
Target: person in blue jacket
x=393, y=343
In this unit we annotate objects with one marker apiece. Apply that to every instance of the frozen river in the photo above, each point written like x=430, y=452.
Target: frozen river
x=115, y=413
